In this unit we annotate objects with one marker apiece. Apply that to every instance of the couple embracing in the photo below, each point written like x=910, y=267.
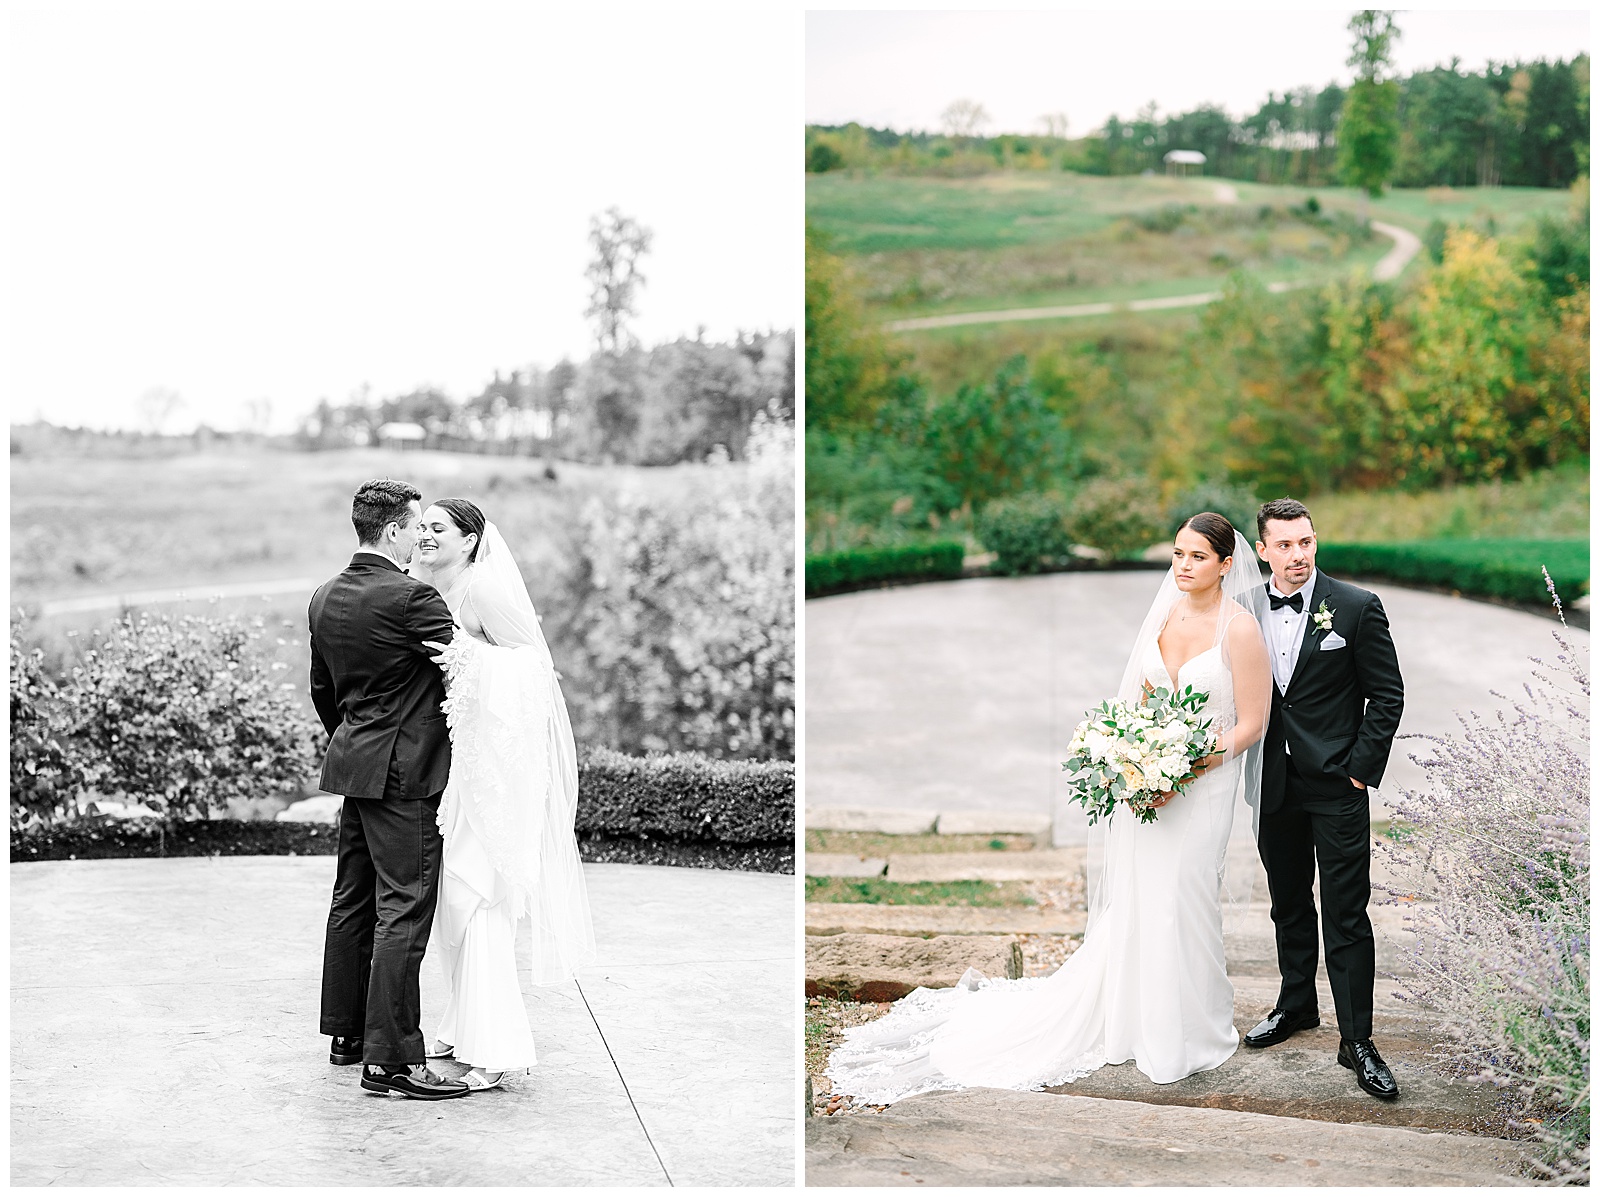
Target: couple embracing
x=1303, y=689
x=450, y=742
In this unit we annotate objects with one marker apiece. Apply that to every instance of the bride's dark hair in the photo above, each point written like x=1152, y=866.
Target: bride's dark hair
x=466, y=516
x=1215, y=528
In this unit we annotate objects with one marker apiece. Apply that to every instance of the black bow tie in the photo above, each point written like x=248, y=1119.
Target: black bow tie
x=1293, y=600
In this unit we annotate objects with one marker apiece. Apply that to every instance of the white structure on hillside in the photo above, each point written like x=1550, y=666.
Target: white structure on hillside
x=401, y=435
x=1179, y=161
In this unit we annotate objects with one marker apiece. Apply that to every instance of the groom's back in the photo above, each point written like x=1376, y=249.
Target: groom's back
x=373, y=684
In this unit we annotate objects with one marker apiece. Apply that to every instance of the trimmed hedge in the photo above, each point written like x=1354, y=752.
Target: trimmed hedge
x=1500, y=569
x=854, y=569
x=680, y=809
x=685, y=797
x=117, y=839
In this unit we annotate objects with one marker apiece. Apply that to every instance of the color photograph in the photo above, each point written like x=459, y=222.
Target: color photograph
x=1196, y=621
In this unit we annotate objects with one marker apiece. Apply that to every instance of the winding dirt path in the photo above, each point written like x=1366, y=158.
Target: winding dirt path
x=1406, y=247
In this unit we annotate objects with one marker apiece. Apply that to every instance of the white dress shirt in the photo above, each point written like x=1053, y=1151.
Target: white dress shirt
x=1285, y=630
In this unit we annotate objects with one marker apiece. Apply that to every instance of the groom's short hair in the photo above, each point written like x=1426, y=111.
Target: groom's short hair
x=1280, y=509
x=379, y=503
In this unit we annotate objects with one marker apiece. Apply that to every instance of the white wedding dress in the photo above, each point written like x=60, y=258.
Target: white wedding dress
x=507, y=818
x=1149, y=984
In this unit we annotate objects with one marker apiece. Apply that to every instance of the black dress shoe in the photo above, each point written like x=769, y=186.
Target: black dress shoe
x=1278, y=1026
x=346, y=1050
x=1372, y=1074
x=411, y=1080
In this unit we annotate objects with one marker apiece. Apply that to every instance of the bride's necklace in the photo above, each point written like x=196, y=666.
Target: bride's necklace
x=1207, y=611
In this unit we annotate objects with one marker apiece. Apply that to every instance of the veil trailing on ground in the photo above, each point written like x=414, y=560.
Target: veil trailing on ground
x=514, y=757
x=1244, y=597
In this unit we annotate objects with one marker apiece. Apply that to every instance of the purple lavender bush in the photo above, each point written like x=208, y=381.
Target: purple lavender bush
x=1496, y=855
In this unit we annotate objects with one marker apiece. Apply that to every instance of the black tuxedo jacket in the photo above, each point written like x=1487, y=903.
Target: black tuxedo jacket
x=1342, y=707
x=374, y=685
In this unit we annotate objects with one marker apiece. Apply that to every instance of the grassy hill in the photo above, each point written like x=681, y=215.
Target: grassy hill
x=924, y=246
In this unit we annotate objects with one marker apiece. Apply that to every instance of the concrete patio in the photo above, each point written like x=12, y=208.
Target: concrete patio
x=164, y=1032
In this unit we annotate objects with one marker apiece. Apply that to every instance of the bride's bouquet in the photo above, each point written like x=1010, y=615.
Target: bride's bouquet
x=1132, y=753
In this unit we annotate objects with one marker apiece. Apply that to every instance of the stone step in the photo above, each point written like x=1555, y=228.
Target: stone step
x=1047, y=864
x=996, y=1137
x=844, y=864
x=836, y=918
x=884, y=968
x=889, y=822
x=1248, y=940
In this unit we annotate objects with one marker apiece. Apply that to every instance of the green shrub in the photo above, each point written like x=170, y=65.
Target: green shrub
x=181, y=713
x=684, y=797
x=987, y=441
x=829, y=573
x=1024, y=532
x=1504, y=569
x=1237, y=503
x=1118, y=516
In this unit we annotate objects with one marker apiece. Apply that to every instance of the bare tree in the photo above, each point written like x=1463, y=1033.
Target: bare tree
x=158, y=405
x=1055, y=124
x=964, y=118
x=619, y=242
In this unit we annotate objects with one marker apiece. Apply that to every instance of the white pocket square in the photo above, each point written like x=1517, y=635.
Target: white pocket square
x=1333, y=640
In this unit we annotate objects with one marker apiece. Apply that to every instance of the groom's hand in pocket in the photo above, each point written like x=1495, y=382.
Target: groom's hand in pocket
x=1358, y=784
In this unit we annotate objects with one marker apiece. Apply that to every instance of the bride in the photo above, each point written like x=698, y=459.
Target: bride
x=1149, y=983
x=508, y=809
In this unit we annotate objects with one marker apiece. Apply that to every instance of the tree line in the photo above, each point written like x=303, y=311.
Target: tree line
x=668, y=403
x=1514, y=124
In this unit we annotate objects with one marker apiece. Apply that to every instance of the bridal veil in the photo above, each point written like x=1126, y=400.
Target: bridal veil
x=516, y=763
x=1244, y=597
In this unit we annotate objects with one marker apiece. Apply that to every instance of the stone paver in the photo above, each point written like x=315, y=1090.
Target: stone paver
x=871, y=918
x=995, y=1137
x=164, y=1032
x=1045, y=865
x=962, y=695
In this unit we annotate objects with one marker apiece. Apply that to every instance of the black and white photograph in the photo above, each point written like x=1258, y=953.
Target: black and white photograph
x=1196, y=761
x=403, y=596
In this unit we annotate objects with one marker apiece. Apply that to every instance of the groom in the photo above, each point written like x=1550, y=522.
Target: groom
x=1336, y=703
x=378, y=695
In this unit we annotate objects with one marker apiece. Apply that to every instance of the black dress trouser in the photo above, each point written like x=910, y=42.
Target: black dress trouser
x=384, y=892
x=1330, y=838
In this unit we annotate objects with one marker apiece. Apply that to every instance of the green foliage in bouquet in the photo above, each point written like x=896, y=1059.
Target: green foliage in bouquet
x=1131, y=753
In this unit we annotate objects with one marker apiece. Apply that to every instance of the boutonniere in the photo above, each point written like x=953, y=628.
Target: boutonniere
x=1323, y=617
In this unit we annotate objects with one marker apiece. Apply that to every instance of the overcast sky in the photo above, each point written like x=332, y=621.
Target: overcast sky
x=243, y=202
x=902, y=69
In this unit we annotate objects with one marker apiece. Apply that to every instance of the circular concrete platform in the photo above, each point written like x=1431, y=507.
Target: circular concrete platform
x=164, y=1032
x=963, y=695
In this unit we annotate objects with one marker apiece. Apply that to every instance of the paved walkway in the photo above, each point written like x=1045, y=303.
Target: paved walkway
x=1388, y=267
x=164, y=1032
x=962, y=695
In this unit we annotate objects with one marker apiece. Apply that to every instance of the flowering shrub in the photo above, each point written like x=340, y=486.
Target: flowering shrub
x=677, y=616
x=180, y=713
x=43, y=782
x=1497, y=850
